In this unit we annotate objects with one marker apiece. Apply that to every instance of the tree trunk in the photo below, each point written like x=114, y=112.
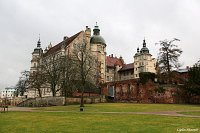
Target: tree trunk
x=53, y=93
x=82, y=102
x=39, y=91
x=168, y=69
x=65, y=97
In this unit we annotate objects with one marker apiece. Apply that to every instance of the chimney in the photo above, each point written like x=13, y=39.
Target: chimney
x=65, y=37
x=112, y=55
x=187, y=67
x=45, y=50
x=88, y=31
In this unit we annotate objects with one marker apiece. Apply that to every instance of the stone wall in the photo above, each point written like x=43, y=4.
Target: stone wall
x=134, y=91
x=59, y=101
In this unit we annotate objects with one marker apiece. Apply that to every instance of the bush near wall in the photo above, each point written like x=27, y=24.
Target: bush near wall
x=146, y=76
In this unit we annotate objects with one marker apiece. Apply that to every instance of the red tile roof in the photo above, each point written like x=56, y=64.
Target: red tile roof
x=112, y=61
x=126, y=67
x=58, y=46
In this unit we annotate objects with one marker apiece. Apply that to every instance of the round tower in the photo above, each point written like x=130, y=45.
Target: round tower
x=98, y=48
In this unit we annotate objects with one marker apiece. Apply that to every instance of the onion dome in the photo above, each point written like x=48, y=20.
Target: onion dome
x=138, y=52
x=144, y=50
x=39, y=43
x=38, y=49
x=96, y=38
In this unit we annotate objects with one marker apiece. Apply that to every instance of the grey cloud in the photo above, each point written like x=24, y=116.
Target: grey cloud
x=123, y=23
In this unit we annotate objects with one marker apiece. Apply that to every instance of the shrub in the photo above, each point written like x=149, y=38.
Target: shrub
x=145, y=76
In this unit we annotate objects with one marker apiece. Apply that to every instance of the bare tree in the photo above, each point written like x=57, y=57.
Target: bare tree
x=51, y=66
x=37, y=79
x=85, y=64
x=68, y=76
x=23, y=83
x=168, y=55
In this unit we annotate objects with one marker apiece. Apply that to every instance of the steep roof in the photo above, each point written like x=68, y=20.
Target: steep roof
x=112, y=61
x=58, y=46
x=126, y=67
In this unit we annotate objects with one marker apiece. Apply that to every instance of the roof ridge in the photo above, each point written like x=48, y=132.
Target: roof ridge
x=57, y=46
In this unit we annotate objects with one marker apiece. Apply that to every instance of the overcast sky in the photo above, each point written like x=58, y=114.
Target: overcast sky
x=123, y=24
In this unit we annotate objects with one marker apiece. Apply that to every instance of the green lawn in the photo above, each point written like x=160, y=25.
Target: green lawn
x=197, y=113
x=37, y=122
x=124, y=107
x=56, y=122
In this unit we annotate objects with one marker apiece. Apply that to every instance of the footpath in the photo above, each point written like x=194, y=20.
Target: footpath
x=169, y=113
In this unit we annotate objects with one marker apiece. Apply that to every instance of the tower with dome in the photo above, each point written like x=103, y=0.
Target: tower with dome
x=143, y=61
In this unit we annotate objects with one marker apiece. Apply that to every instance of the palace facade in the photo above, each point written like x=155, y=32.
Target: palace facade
x=111, y=68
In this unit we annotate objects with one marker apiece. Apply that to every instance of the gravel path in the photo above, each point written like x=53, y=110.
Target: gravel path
x=169, y=113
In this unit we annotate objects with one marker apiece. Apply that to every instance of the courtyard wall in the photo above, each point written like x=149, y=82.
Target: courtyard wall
x=150, y=92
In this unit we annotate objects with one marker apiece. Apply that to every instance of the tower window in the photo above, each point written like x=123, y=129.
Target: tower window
x=99, y=48
x=107, y=78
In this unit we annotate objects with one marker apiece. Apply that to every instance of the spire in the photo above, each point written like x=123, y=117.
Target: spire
x=144, y=43
x=96, y=30
x=38, y=43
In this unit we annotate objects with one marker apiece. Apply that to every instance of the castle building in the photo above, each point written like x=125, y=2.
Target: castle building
x=110, y=68
x=117, y=70
x=95, y=43
x=113, y=65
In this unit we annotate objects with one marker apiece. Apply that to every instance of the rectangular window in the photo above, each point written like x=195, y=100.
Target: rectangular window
x=99, y=48
x=107, y=78
x=147, y=63
x=131, y=73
